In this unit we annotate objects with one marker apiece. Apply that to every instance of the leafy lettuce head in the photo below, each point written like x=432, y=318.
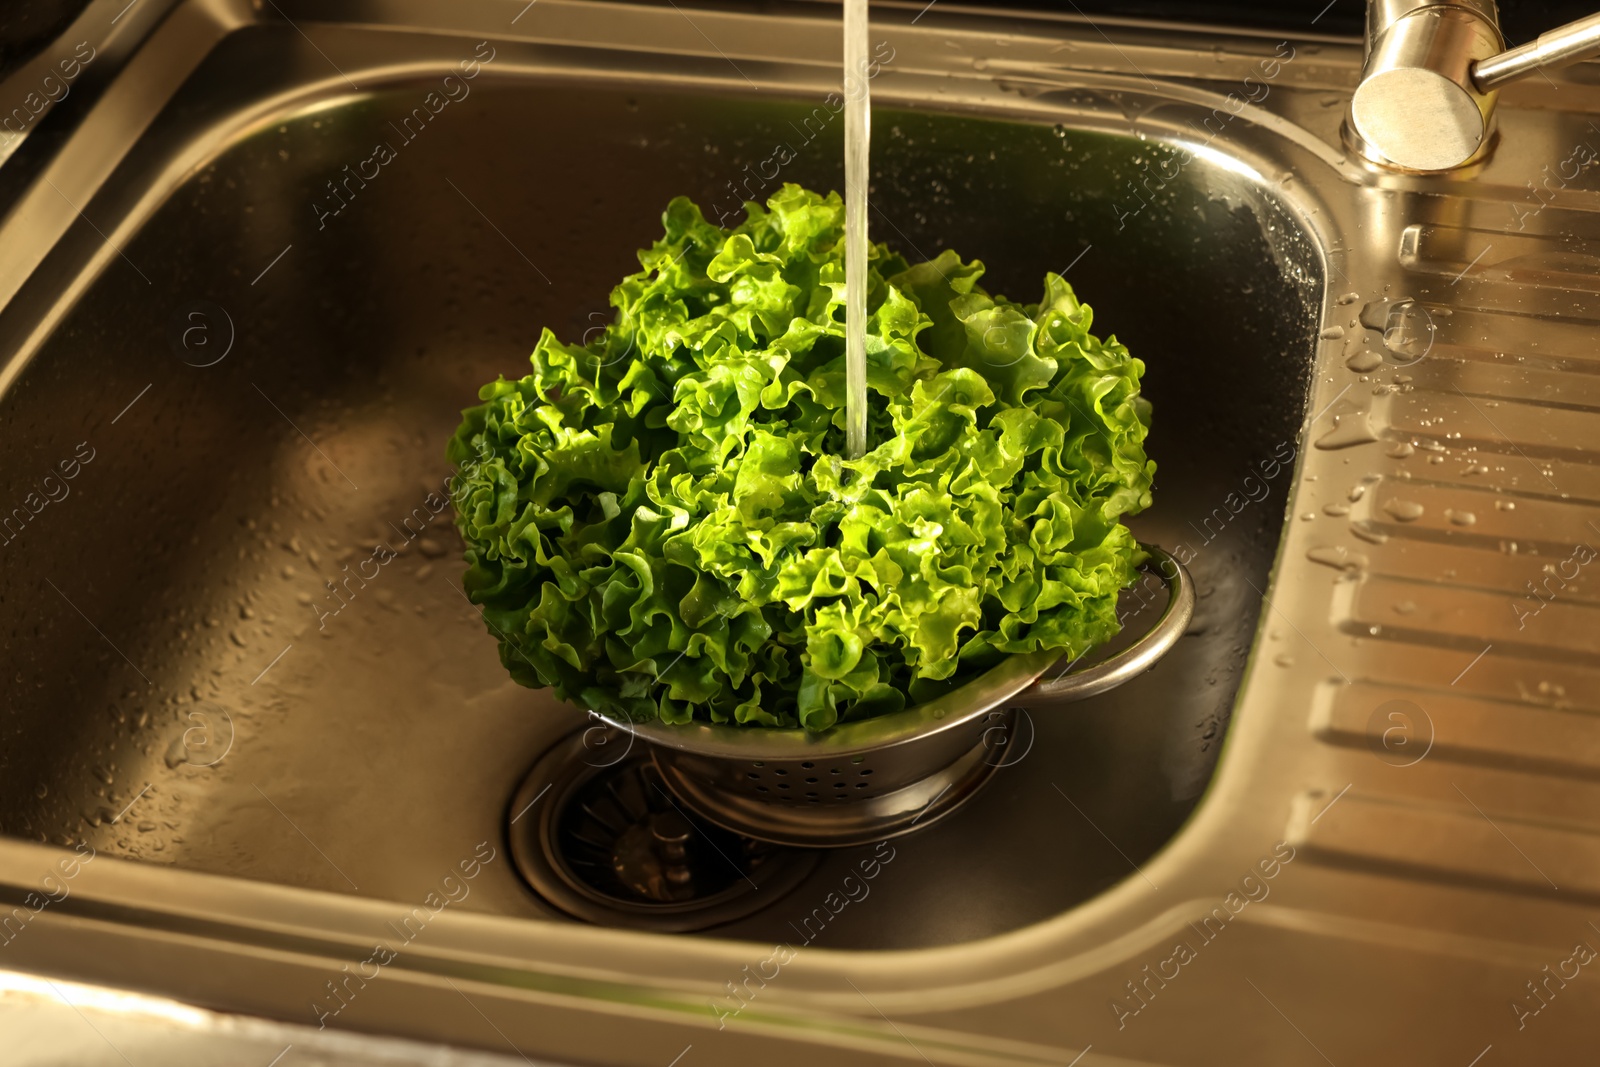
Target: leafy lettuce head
x=661, y=523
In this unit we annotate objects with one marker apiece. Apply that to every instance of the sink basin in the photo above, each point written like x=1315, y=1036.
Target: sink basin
x=248, y=292
x=308, y=711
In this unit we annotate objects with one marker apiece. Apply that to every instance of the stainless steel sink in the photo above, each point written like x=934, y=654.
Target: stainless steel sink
x=247, y=333
x=371, y=716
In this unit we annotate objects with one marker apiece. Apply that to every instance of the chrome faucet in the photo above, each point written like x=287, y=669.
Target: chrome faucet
x=1433, y=70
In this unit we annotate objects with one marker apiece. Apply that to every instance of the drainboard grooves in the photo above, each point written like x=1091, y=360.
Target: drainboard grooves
x=1454, y=842
x=1545, y=628
x=1550, y=479
x=1504, y=379
x=1543, y=303
x=1524, y=259
x=1498, y=484
x=1412, y=510
x=1498, y=208
x=1459, y=728
x=1475, y=672
x=1457, y=565
x=1537, y=431
x=1479, y=335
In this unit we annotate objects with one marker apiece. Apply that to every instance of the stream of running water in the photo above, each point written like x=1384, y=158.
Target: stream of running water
x=857, y=139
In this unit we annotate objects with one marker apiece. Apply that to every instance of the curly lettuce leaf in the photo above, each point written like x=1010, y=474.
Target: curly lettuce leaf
x=660, y=524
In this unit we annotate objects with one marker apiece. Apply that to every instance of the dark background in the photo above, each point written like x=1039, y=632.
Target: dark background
x=27, y=25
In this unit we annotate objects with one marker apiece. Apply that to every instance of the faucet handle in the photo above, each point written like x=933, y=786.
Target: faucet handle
x=1561, y=46
x=1427, y=93
x=1418, y=106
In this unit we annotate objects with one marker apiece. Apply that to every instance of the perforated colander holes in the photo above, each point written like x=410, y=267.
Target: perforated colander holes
x=839, y=780
x=784, y=793
x=756, y=775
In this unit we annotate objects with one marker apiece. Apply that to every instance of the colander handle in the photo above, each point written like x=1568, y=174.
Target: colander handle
x=1062, y=685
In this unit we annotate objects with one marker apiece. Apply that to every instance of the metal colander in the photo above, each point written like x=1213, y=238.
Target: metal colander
x=886, y=776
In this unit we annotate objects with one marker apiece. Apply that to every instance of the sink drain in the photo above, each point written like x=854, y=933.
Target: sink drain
x=596, y=834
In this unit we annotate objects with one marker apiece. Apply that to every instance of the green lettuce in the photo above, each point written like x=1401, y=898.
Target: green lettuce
x=660, y=523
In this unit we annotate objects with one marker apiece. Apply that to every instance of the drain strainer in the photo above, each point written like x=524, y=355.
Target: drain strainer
x=596, y=834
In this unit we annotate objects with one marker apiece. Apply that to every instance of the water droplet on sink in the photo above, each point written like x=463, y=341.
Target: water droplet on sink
x=102, y=816
x=1460, y=518
x=1367, y=533
x=1336, y=510
x=1405, y=607
x=1349, y=298
x=1337, y=556
x=1363, y=360
x=1404, y=510
x=1283, y=659
x=1408, y=331
x=1332, y=333
x=1399, y=449
x=1349, y=428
